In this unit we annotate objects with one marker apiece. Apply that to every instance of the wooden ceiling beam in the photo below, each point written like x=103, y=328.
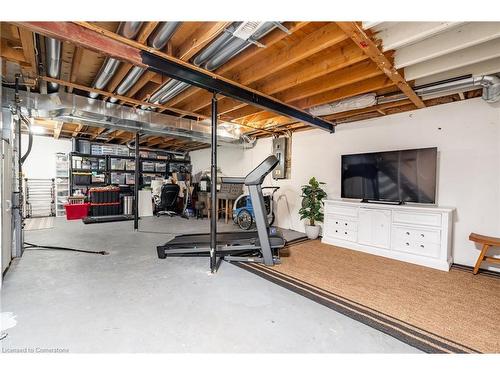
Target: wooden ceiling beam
x=199, y=39
x=362, y=87
x=250, y=53
x=146, y=31
x=29, y=51
x=57, y=129
x=361, y=38
x=77, y=130
x=195, y=43
x=273, y=60
x=8, y=52
x=319, y=65
x=336, y=79
x=75, y=66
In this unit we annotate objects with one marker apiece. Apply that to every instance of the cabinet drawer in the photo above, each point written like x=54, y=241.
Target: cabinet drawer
x=416, y=234
x=341, y=223
x=344, y=234
x=339, y=210
x=419, y=218
x=426, y=249
x=340, y=233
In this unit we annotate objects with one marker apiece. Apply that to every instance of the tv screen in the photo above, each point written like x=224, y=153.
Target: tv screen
x=397, y=176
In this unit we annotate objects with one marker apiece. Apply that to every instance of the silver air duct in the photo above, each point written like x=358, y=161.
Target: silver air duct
x=162, y=34
x=129, y=29
x=108, y=69
x=221, y=50
x=77, y=109
x=53, y=59
x=157, y=40
x=489, y=83
x=491, y=88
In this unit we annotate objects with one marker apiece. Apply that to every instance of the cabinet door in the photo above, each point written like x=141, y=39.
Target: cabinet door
x=374, y=227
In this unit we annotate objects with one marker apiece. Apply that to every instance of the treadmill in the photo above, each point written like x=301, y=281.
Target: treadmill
x=260, y=246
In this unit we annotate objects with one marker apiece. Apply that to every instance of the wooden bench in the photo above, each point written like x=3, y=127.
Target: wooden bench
x=486, y=242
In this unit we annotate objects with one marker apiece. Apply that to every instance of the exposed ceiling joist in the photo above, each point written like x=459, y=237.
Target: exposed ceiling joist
x=200, y=38
x=146, y=31
x=75, y=66
x=77, y=130
x=369, y=24
x=338, y=78
x=57, y=129
x=98, y=39
x=467, y=35
x=29, y=51
x=358, y=35
x=273, y=61
x=236, y=62
x=481, y=52
x=402, y=34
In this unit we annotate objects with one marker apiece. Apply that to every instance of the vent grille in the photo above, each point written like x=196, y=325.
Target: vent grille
x=247, y=29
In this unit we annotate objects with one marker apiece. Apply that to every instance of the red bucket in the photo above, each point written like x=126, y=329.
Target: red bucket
x=76, y=211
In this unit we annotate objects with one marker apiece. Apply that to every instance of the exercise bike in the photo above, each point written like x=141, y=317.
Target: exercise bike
x=243, y=212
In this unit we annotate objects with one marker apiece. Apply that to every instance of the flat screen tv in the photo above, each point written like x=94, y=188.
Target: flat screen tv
x=392, y=176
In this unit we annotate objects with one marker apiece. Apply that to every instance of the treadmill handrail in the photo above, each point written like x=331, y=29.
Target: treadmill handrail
x=233, y=180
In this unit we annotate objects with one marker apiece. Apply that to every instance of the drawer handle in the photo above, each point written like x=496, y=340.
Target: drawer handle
x=407, y=244
x=422, y=246
x=336, y=222
x=336, y=231
x=421, y=234
x=408, y=233
x=346, y=224
x=345, y=232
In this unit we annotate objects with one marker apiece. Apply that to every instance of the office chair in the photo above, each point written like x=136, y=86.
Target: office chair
x=168, y=200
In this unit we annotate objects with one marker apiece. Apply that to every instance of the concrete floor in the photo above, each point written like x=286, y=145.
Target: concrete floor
x=131, y=301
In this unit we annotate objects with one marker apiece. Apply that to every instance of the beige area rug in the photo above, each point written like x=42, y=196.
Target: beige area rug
x=435, y=311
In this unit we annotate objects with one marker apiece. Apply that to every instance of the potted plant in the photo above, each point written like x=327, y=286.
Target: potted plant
x=312, y=206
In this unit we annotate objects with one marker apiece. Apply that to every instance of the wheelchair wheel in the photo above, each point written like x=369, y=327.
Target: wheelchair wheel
x=244, y=219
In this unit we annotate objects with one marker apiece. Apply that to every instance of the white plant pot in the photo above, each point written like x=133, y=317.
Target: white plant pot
x=312, y=231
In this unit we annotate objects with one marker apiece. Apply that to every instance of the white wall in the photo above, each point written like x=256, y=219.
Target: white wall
x=466, y=133
x=41, y=163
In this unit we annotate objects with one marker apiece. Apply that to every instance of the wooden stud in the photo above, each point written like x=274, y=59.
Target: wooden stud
x=359, y=36
x=200, y=38
x=77, y=60
x=57, y=129
x=29, y=51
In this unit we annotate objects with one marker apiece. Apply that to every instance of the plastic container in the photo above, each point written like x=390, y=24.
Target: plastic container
x=76, y=211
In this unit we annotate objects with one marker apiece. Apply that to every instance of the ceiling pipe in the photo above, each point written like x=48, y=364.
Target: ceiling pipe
x=129, y=29
x=162, y=34
x=108, y=69
x=157, y=40
x=53, y=60
x=217, y=53
x=489, y=83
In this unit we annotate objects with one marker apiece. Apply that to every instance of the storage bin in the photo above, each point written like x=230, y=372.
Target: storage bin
x=76, y=211
x=148, y=166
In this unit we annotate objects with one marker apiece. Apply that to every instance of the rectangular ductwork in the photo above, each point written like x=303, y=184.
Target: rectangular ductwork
x=97, y=113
